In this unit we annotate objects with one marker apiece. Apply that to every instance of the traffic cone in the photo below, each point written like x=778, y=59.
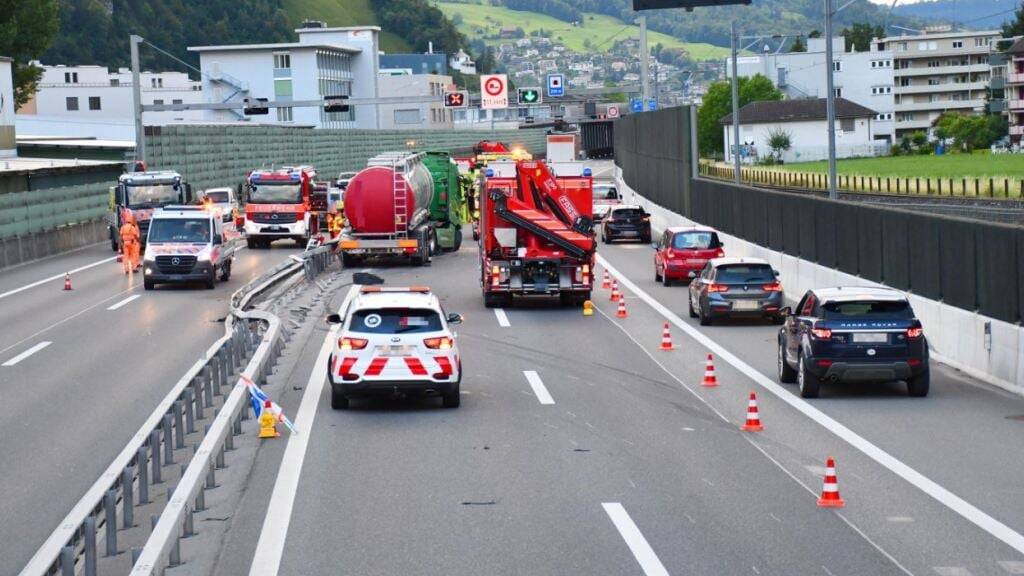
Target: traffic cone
x=830, y=490
x=268, y=422
x=666, y=339
x=67, y=281
x=753, y=418
x=615, y=291
x=607, y=281
x=621, y=312
x=588, y=308
x=709, y=374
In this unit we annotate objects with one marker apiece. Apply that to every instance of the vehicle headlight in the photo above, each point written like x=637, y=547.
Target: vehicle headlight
x=149, y=258
x=203, y=257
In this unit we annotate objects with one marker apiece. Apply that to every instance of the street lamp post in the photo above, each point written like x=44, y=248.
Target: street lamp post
x=830, y=103
x=735, y=105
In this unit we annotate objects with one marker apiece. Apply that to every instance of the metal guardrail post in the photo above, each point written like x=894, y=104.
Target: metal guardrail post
x=110, y=521
x=197, y=388
x=128, y=497
x=168, y=440
x=225, y=372
x=179, y=428
x=229, y=440
x=211, y=477
x=190, y=417
x=215, y=379
x=154, y=457
x=201, y=499
x=207, y=386
x=141, y=461
x=220, y=458
x=67, y=561
x=136, y=552
x=189, y=530
x=236, y=428
x=89, y=537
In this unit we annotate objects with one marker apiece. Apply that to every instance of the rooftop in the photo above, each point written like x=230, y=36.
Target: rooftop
x=20, y=164
x=278, y=46
x=801, y=110
x=1017, y=47
x=937, y=35
x=848, y=293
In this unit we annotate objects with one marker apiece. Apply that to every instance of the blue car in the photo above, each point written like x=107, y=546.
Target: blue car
x=851, y=335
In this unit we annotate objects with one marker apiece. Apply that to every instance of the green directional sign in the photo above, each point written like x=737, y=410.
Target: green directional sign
x=529, y=96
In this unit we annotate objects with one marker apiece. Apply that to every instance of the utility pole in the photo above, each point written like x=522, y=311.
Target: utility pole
x=140, y=136
x=735, y=104
x=830, y=103
x=645, y=89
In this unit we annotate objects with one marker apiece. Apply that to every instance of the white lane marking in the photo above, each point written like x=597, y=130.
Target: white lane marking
x=965, y=509
x=638, y=545
x=123, y=302
x=502, y=317
x=26, y=353
x=266, y=560
x=538, y=387
x=54, y=277
x=951, y=571
x=1012, y=566
x=900, y=519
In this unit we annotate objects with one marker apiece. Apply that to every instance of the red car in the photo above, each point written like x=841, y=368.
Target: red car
x=681, y=252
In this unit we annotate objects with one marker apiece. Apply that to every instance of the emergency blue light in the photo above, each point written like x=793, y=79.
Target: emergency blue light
x=587, y=172
x=489, y=173
x=254, y=176
x=295, y=175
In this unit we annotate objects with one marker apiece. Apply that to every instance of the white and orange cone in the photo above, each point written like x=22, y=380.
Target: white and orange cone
x=666, y=339
x=830, y=490
x=67, y=281
x=606, y=282
x=615, y=291
x=709, y=374
x=753, y=417
x=621, y=312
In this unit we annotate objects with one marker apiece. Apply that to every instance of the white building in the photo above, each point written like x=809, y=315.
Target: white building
x=937, y=72
x=420, y=115
x=8, y=147
x=324, y=62
x=462, y=62
x=91, y=101
x=865, y=78
x=804, y=121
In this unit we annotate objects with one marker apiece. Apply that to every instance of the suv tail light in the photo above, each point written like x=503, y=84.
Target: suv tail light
x=440, y=343
x=915, y=333
x=670, y=254
x=773, y=287
x=352, y=343
x=720, y=253
x=717, y=288
x=821, y=333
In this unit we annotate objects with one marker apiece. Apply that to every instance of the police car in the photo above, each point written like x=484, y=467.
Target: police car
x=394, y=342
x=851, y=335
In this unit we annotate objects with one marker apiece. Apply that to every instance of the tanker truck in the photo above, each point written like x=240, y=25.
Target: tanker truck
x=403, y=204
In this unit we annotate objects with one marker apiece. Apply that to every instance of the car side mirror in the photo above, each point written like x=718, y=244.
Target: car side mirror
x=692, y=274
x=654, y=245
x=334, y=318
x=776, y=272
x=785, y=311
x=455, y=318
x=217, y=239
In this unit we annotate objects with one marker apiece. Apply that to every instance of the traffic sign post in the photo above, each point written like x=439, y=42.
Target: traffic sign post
x=613, y=111
x=652, y=104
x=456, y=99
x=636, y=105
x=529, y=96
x=556, y=85
x=493, y=91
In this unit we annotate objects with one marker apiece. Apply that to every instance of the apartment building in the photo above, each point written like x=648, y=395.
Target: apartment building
x=1014, y=90
x=936, y=72
x=416, y=115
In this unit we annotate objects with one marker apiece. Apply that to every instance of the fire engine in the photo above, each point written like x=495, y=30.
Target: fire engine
x=280, y=204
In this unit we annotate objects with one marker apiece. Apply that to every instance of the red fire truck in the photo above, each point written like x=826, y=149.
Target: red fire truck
x=279, y=204
x=536, y=234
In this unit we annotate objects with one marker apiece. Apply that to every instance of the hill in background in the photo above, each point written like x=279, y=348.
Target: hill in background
x=975, y=14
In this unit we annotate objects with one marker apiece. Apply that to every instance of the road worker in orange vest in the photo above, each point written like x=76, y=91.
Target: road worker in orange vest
x=131, y=242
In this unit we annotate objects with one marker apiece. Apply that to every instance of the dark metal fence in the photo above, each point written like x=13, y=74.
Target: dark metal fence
x=969, y=264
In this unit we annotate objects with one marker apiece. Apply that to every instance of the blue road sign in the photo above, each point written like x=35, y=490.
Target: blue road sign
x=652, y=104
x=636, y=105
x=556, y=85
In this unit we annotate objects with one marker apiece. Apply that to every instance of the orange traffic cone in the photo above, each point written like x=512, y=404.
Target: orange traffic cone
x=621, y=312
x=615, y=291
x=753, y=418
x=67, y=281
x=709, y=374
x=666, y=339
x=830, y=490
x=607, y=281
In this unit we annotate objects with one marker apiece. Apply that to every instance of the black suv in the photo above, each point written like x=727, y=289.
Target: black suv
x=853, y=335
x=626, y=222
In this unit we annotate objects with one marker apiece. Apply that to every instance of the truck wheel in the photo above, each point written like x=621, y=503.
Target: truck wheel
x=338, y=400
x=432, y=243
x=787, y=374
x=250, y=243
x=917, y=386
x=458, y=240
x=113, y=241
x=211, y=282
x=809, y=385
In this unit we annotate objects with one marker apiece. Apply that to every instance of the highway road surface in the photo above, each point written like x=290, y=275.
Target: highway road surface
x=580, y=448
x=80, y=371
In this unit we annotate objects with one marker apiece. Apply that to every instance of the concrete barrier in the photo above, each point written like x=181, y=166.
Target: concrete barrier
x=21, y=249
x=987, y=349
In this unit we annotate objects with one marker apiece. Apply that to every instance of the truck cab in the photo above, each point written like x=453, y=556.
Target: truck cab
x=280, y=204
x=188, y=244
x=140, y=193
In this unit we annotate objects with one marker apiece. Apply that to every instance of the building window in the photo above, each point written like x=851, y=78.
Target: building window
x=934, y=81
x=94, y=103
x=904, y=81
x=284, y=114
x=958, y=43
x=847, y=125
x=158, y=102
x=283, y=60
x=71, y=77
x=411, y=116
x=71, y=103
x=881, y=90
x=176, y=101
x=839, y=92
x=115, y=82
x=334, y=78
x=837, y=66
x=901, y=47
x=979, y=42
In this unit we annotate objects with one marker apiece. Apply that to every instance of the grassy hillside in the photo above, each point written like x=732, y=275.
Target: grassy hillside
x=343, y=13
x=599, y=29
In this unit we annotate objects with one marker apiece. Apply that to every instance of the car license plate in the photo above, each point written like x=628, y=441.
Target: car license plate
x=746, y=305
x=629, y=232
x=870, y=337
x=394, y=351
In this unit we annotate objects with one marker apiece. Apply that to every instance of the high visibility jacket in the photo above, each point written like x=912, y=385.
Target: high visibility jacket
x=129, y=233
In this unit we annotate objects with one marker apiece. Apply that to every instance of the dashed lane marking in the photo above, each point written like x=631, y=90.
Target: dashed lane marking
x=1012, y=566
x=638, y=545
x=26, y=353
x=499, y=313
x=951, y=571
x=955, y=503
x=125, y=301
x=539, y=389
x=54, y=277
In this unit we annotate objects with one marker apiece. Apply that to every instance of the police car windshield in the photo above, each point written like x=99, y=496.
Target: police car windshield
x=744, y=273
x=151, y=194
x=867, y=309
x=274, y=192
x=185, y=230
x=218, y=197
x=695, y=241
x=395, y=321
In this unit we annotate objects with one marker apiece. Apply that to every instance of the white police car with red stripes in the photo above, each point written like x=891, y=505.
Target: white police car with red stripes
x=394, y=342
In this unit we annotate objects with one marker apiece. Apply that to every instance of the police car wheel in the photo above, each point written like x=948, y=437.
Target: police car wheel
x=452, y=400
x=338, y=400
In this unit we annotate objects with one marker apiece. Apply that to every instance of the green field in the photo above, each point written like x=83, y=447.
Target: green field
x=977, y=165
x=343, y=13
x=597, y=28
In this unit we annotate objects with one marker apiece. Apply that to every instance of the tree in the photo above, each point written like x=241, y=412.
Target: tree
x=798, y=45
x=970, y=132
x=485, y=61
x=27, y=28
x=779, y=141
x=814, y=34
x=1015, y=27
x=858, y=37
x=718, y=103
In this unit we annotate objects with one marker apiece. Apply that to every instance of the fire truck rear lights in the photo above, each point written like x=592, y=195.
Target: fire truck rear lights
x=352, y=343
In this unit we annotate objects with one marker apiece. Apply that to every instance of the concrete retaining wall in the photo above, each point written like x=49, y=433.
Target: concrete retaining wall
x=957, y=337
x=20, y=249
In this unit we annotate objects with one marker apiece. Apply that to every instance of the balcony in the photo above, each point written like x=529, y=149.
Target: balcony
x=1015, y=77
x=947, y=87
x=1017, y=130
x=1015, y=103
x=940, y=105
x=940, y=70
